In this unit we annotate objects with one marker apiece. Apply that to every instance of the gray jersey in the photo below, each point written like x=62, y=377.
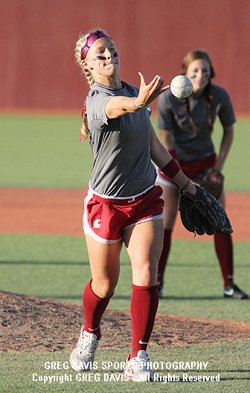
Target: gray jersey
x=121, y=147
x=193, y=145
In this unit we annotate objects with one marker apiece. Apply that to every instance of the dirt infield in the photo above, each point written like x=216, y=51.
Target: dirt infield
x=31, y=324
x=36, y=324
x=42, y=211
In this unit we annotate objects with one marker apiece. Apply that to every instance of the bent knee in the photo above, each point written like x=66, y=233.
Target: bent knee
x=146, y=273
x=103, y=288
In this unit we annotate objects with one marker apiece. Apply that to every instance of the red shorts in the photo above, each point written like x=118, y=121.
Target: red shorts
x=104, y=219
x=192, y=169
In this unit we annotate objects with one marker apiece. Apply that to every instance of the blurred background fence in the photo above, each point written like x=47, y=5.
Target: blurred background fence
x=37, y=40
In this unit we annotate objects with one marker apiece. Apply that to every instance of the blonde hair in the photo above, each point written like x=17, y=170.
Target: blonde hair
x=88, y=76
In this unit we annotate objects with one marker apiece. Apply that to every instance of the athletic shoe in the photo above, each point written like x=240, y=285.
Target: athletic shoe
x=138, y=368
x=82, y=357
x=234, y=292
x=160, y=289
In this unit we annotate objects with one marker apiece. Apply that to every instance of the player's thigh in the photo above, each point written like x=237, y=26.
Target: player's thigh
x=144, y=243
x=171, y=198
x=104, y=262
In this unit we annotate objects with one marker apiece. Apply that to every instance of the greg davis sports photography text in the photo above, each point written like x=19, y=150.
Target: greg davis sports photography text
x=60, y=372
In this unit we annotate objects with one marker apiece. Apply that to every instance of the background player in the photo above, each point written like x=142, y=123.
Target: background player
x=185, y=130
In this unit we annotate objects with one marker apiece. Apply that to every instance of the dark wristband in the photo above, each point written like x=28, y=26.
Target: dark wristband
x=171, y=169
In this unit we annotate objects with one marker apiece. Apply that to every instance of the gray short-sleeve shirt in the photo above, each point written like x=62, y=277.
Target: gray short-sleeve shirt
x=193, y=145
x=121, y=147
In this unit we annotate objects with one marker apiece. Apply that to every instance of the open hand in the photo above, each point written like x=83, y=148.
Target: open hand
x=150, y=92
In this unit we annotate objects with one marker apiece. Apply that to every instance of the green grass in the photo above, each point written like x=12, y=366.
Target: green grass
x=57, y=267
x=29, y=367
x=45, y=152
x=237, y=166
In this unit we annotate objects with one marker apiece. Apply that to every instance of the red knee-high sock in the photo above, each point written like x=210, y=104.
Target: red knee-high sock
x=94, y=308
x=224, y=250
x=144, y=304
x=164, y=255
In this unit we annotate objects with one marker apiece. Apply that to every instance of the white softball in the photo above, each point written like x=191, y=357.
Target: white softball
x=181, y=86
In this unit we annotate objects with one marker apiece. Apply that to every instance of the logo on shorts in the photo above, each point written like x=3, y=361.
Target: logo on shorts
x=97, y=223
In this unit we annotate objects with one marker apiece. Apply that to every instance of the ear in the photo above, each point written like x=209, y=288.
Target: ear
x=86, y=65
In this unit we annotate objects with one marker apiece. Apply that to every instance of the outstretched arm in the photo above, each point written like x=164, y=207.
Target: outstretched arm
x=118, y=106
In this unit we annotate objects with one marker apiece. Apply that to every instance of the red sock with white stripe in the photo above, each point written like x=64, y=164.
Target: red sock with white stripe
x=144, y=304
x=94, y=308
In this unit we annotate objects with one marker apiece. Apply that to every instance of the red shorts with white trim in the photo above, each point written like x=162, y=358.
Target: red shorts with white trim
x=192, y=169
x=104, y=219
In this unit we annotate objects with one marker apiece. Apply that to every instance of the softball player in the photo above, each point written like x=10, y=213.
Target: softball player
x=185, y=130
x=122, y=203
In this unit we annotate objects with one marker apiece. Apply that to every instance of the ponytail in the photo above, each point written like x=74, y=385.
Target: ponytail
x=90, y=80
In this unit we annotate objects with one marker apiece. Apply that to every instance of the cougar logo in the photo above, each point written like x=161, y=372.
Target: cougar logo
x=97, y=223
